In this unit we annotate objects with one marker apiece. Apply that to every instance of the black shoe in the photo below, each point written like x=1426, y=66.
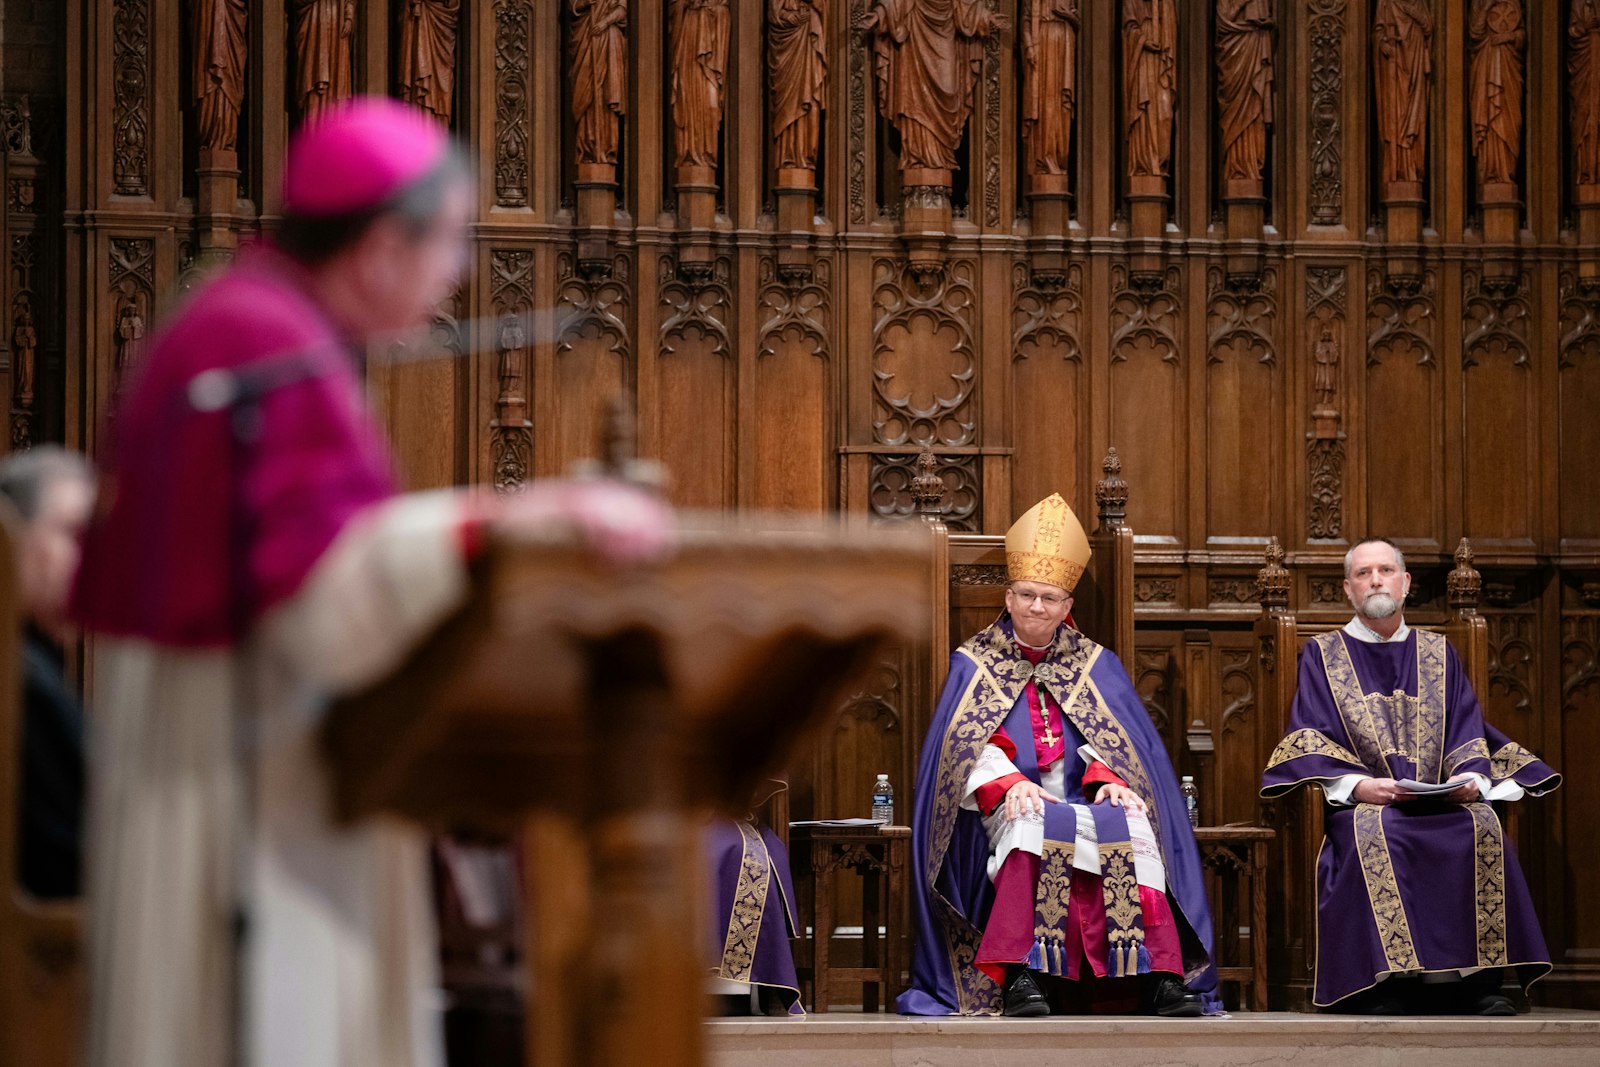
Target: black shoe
x=1024, y=999
x=1171, y=1000
x=1388, y=1004
x=1493, y=1004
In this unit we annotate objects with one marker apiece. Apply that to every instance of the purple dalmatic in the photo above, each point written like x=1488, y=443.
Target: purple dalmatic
x=1425, y=886
x=752, y=918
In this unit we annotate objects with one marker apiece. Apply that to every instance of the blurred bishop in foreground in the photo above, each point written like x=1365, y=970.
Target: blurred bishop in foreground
x=252, y=558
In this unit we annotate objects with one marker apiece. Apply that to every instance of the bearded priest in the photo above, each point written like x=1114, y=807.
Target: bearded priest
x=1049, y=838
x=1421, y=904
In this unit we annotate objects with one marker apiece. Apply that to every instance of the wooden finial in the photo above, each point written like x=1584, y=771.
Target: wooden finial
x=1464, y=584
x=1272, y=580
x=1111, y=492
x=927, y=488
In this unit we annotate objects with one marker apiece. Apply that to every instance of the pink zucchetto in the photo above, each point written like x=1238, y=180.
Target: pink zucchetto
x=359, y=154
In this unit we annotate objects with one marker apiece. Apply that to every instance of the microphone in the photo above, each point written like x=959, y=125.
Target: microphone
x=222, y=388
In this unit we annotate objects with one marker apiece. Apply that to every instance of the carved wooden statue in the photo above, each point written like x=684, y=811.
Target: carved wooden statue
x=1497, y=34
x=699, y=66
x=24, y=353
x=130, y=337
x=1324, y=370
x=927, y=55
x=1049, y=82
x=1150, y=83
x=513, y=362
x=1244, y=85
x=1583, y=68
x=599, y=76
x=427, y=74
x=1402, y=56
x=323, y=33
x=797, y=67
x=220, y=47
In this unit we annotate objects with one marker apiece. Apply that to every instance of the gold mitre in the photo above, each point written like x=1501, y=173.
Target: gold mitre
x=1047, y=545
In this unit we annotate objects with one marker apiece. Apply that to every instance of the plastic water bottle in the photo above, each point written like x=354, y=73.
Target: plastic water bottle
x=1191, y=799
x=883, y=800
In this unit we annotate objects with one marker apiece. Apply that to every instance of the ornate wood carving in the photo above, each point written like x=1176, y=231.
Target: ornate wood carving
x=427, y=67
x=1580, y=658
x=1464, y=583
x=1402, y=59
x=130, y=97
x=1238, y=688
x=699, y=65
x=1580, y=322
x=927, y=56
x=1144, y=318
x=797, y=72
x=324, y=31
x=1326, y=36
x=1325, y=442
x=1399, y=319
x=858, y=112
x=599, y=77
x=696, y=308
x=16, y=125
x=132, y=285
x=1496, y=36
x=511, y=287
x=1244, y=91
x=927, y=488
x=220, y=47
x=1229, y=591
x=1152, y=679
x=511, y=19
x=1511, y=652
x=24, y=338
x=893, y=492
x=991, y=574
x=1111, y=492
x=991, y=130
x=1496, y=322
x=923, y=359
x=593, y=305
x=1149, y=84
x=1241, y=320
x=877, y=703
x=1326, y=591
x=1047, y=314
x=1155, y=592
x=1271, y=586
x=1583, y=72
x=795, y=311
x=1049, y=85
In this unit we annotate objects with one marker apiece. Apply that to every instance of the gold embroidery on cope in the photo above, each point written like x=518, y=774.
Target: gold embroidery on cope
x=1508, y=760
x=1428, y=752
x=1051, y=904
x=1477, y=748
x=1123, y=913
x=1351, y=701
x=1308, y=742
x=1111, y=743
x=1489, y=848
x=749, y=903
x=1383, y=892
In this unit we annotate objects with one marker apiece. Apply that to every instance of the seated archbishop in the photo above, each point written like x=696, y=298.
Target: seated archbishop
x=1421, y=904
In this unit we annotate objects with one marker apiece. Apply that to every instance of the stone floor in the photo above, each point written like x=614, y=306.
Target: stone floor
x=1545, y=1038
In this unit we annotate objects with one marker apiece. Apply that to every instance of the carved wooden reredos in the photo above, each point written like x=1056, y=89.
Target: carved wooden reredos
x=1314, y=267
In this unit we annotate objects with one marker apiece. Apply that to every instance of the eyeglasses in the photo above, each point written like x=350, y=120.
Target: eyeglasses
x=1049, y=600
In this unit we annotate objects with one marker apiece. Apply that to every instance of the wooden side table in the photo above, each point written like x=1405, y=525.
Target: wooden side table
x=1232, y=853
x=879, y=855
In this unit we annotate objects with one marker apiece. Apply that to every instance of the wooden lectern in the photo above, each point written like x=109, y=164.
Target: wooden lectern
x=601, y=710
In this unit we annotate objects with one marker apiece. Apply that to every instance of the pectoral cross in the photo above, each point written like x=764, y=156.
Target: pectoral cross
x=1048, y=738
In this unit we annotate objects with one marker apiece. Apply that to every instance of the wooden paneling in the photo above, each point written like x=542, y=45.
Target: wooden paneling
x=1304, y=354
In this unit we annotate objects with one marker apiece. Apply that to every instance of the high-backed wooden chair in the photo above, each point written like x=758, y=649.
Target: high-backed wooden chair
x=1292, y=903
x=41, y=971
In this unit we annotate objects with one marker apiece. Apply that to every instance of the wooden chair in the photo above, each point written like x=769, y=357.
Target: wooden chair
x=1292, y=906
x=41, y=960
